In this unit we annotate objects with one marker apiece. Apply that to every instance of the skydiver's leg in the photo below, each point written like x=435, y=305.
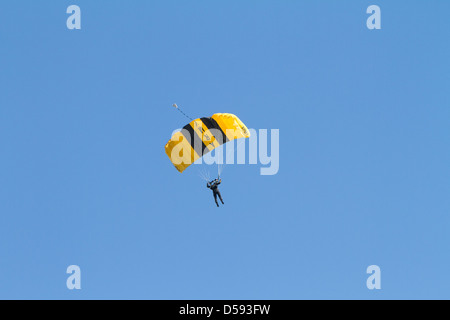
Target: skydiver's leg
x=215, y=198
x=220, y=196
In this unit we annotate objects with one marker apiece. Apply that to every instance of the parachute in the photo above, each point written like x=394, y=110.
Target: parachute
x=201, y=136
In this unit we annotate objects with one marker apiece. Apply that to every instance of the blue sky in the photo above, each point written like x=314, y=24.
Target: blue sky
x=364, y=150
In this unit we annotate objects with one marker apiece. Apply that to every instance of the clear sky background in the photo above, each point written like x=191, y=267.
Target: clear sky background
x=364, y=120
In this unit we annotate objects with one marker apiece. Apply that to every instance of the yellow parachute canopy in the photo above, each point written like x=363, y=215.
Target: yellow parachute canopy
x=202, y=135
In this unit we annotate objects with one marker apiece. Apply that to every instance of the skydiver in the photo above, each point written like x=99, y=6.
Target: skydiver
x=213, y=185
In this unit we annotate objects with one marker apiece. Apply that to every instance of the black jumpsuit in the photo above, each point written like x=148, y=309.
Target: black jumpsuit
x=213, y=186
